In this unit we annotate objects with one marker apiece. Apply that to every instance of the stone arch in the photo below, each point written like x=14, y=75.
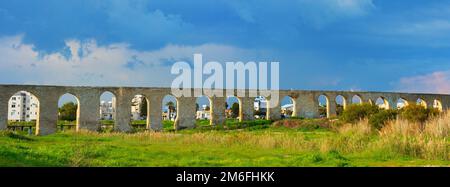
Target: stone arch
x=204, y=110
x=169, y=111
x=107, y=113
x=341, y=104
x=288, y=107
x=231, y=103
x=23, y=107
x=140, y=112
x=401, y=102
x=356, y=99
x=421, y=102
x=324, y=105
x=66, y=119
x=382, y=102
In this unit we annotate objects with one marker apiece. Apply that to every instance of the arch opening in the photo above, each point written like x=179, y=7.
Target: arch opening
x=324, y=106
x=260, y=108
x=437, y=104
x=139, y=113
x=169, y=112
x=356, y=99
x=23, y=112
x=233, y=110
x=382, y=103
x=203, y=110
x=107, y=111
x=341, y=104
x=421, y=102
x=401, y=103
x=68, y=112
x=287, y=107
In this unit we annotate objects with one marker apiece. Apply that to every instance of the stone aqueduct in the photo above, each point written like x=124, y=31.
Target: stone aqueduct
x=305, y=105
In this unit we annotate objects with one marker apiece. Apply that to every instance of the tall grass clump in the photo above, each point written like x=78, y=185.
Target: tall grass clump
x=426, y=141
x=350, y=138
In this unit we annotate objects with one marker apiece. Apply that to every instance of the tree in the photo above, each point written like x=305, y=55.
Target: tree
x=171, y=107
x=197, y=107
x=235, y=110
x=207, y=108
x=143, y=108
x=68, y=112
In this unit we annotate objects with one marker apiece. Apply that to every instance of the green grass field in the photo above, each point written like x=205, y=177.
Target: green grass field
x=259, y=145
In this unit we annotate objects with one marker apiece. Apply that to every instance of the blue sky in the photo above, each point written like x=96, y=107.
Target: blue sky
x=381, y=45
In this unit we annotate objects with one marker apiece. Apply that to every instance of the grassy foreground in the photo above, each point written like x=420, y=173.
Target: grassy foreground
x=285, y=143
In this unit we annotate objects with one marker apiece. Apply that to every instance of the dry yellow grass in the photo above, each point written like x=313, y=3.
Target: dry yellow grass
x=399, y=137
x=429, y=142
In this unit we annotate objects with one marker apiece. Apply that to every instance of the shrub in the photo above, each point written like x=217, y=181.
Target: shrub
x=380, y=119
x=305, y=124
x=245, y=124
x=354, y=113
x=22, y=123
x=417, y=114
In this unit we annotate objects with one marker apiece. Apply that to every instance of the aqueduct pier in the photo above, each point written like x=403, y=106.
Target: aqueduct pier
x=305, y=103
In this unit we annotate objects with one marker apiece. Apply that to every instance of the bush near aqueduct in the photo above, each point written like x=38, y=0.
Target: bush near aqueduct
x=356, y=112
x=417, y=113
x=378, y=117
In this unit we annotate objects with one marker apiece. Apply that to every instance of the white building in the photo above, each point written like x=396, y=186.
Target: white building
x=107, y=109
x=169, y=115
x=23, y=106
x=260, y=104
x=204, y=113
x=136, y=107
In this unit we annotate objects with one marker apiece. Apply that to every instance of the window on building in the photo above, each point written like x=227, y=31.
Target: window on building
x=14, y=98
x=28, y=108
x=13, y=106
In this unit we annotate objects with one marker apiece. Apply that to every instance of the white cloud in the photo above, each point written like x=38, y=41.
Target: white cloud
x=322, y=12
x=87, y=63
x=136, y=18
x=436, y=82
